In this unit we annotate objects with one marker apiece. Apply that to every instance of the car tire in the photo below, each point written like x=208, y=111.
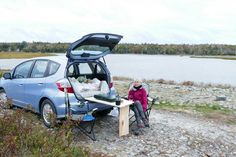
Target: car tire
x=48, y=113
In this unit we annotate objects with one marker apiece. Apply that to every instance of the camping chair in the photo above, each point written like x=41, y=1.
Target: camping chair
x=151, y=101
x=86, y=124
x=87, y=120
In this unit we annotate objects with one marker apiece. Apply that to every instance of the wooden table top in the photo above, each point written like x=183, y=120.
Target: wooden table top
x=123, y=102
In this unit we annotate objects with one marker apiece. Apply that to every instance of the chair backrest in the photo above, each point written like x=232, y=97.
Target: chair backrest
x=145, y=85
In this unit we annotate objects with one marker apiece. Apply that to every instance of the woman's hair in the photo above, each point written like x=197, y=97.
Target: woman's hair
x=138, y=80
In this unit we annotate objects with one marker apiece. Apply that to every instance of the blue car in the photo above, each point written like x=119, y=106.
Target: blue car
x=41, y=82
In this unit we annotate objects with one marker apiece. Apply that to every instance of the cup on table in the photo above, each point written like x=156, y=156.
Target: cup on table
x=118, y=100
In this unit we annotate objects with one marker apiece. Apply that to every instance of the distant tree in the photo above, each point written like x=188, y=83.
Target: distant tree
x=22, y=45
x=127, y=48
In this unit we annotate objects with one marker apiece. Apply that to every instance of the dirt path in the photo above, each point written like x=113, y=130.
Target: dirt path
x=170, y=134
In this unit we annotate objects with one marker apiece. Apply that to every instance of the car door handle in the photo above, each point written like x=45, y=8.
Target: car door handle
x=20, y=84
x=40, y=83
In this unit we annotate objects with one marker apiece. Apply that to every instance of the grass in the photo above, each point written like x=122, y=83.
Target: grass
x=216, y=57
x=211, y=111
x=19, y=55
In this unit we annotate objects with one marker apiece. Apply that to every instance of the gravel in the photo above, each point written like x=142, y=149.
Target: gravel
x=170, y=134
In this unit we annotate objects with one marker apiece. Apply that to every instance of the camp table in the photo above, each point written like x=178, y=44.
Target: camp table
x=123, y=116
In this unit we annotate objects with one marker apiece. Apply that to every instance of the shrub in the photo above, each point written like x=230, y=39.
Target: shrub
x=21, y=135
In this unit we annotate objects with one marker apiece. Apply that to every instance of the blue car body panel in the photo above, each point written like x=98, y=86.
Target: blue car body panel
x=33, y=91
x=15, y=90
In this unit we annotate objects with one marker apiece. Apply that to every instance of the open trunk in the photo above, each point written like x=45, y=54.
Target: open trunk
x=88, y=79
x=93, y=46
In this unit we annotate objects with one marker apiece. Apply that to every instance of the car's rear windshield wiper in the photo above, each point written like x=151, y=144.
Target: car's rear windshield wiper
x=85, y=55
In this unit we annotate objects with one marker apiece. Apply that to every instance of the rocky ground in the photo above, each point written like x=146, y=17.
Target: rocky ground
x=184, y=94
x=170, y=134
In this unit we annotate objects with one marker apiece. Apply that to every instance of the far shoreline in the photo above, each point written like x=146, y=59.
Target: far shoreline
x=181, y=83
x=26, y=55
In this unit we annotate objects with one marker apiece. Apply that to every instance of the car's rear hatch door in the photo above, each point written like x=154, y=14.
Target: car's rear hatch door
x=93, y=46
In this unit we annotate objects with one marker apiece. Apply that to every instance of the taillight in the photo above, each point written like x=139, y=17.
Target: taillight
x=64, y=84
x=110, y=84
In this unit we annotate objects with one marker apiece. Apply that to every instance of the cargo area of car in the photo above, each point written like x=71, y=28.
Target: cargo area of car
x=88, y=79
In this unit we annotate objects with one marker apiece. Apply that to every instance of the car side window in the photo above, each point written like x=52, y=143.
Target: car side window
x=53, y=67
x=71, y=71
x=22, y=70
x=39, y=69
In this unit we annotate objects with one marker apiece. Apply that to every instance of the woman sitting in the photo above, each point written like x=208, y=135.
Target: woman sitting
x=138, y=94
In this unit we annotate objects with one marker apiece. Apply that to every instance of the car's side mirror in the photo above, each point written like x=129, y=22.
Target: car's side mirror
x=7, y=75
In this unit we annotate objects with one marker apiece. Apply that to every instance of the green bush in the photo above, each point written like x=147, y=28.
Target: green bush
x=22, y=135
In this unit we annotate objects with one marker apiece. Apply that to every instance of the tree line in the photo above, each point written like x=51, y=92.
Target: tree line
x=127, y=48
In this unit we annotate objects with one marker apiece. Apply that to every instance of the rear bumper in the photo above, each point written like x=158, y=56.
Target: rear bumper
x=81, y=109
x=76, y=107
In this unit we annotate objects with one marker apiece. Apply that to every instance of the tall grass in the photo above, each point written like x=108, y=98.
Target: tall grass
x=216, y=57
x=18, y=55
x=213, y=111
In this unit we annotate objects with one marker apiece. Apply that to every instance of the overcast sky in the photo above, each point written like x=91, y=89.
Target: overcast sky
x=139, y=21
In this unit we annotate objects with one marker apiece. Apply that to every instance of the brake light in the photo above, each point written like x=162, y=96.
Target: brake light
x=62, y=84
x=110, y=84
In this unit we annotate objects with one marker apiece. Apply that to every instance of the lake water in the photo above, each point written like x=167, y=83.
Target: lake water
x=177, y=68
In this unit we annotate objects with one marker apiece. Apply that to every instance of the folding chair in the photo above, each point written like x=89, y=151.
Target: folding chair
x=86, y=126
x=151, y=102
x=87, y=122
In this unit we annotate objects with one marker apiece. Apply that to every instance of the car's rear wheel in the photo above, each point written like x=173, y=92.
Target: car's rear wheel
x=48, y=113
x=3, y=99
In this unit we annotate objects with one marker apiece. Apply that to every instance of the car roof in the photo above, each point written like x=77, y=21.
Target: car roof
x=60, y=59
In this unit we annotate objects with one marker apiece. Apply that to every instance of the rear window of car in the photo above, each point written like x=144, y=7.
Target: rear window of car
x=53, y=67
x=84, y=69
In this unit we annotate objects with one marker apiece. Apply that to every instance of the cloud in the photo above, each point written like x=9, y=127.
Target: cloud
x=140, y=21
